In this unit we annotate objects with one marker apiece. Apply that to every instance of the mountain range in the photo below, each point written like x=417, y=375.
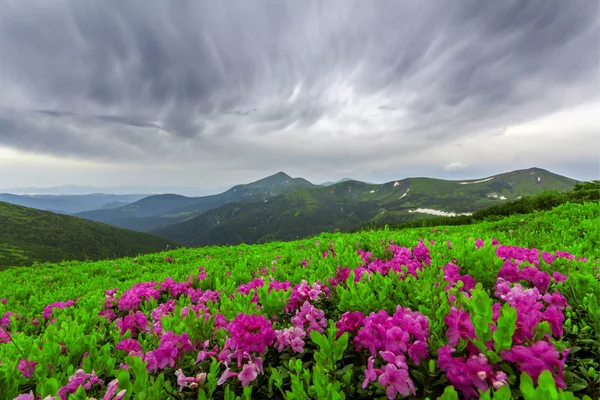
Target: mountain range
x=282, y=207
x=71, y=204
x=348, y=204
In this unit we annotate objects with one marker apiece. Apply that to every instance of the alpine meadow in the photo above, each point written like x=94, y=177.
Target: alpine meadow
x=299, y=200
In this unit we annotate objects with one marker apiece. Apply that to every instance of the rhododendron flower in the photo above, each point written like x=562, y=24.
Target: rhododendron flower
x=555, y=300
x=133, y=322
x=558, y=277
x=27, y=396
x=396, y=333
x=132, y=298
x=467, y=375
x=131, y=346
x=108, y=314
x=80, y=378
x=310, y=315
x=396, y=380
x=418, y=352
x=249, y=373
x=509, y=272
x=251, y=333
x=171, y=347
x=204, y=354
x=564, y=254
x=538, y=357
x=349, y=322
x=4, y=337
x=479, y=243
x=459, y=326
x=47, y=313
x=189, y=381
x=226, y=375
x=26, y=367
x=421, y=253
x=293, y=337
x=111, y=392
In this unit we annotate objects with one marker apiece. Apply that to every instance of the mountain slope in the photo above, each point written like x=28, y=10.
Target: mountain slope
x=70, y=204
x=28, y=235
x=156, y=211
x=348, y=204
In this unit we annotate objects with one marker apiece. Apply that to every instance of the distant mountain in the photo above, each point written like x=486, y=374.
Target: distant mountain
x=28, y=235
x=117, y=190
x=160, y=210
x=349, y=204
x=333, y=183
x=70, y=204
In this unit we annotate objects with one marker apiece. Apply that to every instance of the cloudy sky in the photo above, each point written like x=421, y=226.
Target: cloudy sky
x=211, y=94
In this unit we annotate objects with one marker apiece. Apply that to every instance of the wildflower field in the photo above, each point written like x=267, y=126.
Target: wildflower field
x=495, y=310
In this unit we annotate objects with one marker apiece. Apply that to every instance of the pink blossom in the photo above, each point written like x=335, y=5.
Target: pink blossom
x=111, y=391
x=26, y=367
x=538, y=357
x=396, y=381
x=131, y=346
x=47, y=313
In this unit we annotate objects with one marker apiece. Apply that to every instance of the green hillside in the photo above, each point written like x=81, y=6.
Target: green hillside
x=160, y=210
x=347, y=205
x=28, y=235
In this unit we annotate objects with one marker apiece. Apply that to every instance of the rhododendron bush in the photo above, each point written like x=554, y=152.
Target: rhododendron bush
x=437, y=313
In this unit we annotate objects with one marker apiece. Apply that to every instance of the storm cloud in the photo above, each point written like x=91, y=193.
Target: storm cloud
x=307, y=87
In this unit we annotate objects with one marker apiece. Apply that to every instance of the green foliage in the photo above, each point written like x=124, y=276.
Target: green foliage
x=329, y=367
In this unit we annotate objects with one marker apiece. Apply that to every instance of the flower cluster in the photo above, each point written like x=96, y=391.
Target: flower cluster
x=303, y=292
x=469, y=375
x=47, y=313
x=171, y=347
x=80, y=378
x=311, y=316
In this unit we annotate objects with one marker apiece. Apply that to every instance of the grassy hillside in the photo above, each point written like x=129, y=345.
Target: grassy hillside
x=28, y=235
x=156, y=211
x=350, y=204
x=436, y=304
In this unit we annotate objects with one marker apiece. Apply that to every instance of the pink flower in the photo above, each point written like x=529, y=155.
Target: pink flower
x=111, y=391
x=418, y=351
x=290, y=337
x=349, y=322
x=131, y=346
x=251, y=333
x=310, y=315
x=459, y=326
x=370, y=373
x=396, y=381
x=558, y=277
x=467, y=375
x=28, y=396
x=47, y=313
x=248, y=374
x=538, y=357
x=226, y=375
x=479, y=243
x=26, y=367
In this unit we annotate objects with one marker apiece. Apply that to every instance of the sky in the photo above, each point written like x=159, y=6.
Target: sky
x=211, y=94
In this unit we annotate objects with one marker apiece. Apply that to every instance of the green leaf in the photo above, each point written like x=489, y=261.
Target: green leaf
x=449, y=394
x=503, y=393
x=527, y=389
x=506, y=326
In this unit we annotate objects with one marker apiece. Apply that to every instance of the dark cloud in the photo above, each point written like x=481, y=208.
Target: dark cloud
x=276, y=84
